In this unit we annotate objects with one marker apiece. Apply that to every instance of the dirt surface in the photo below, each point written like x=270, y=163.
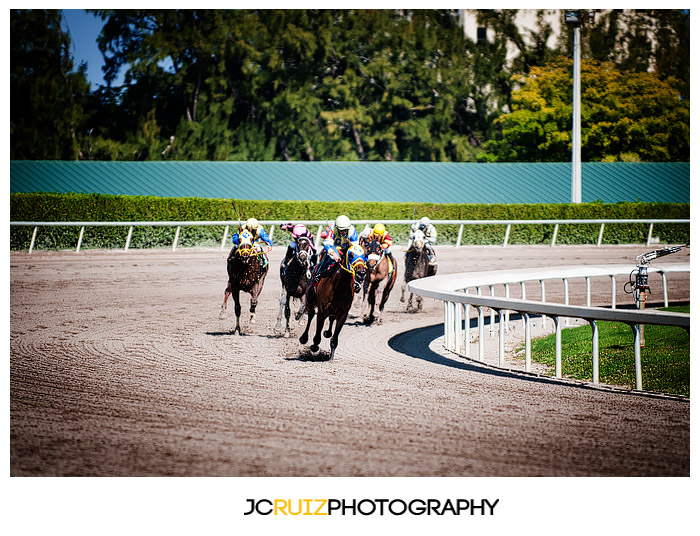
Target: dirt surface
x=119, y=365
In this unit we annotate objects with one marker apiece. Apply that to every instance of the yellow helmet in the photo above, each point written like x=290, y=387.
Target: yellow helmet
x=252, y=223
x=379, y=229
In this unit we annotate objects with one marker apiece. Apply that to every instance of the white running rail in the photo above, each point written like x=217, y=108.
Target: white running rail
x=322, y=223
x=457, y=293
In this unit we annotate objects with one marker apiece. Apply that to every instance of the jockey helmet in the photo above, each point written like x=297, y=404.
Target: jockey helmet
x=299, y=230
x=252, y=223
x=379, y=229
x=342, y=223
x=424, y=221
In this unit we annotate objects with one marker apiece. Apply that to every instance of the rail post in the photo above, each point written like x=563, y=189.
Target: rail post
x=505, y=240
x=501, y=339
x=223, y=239
x=600, y=235
x=177, y=236
x=557, y=347
x=528, y=343
x=128, y=238
x=80, y=239
x=637, y=356
x=554, y=235
x=594, y=340
x=31, y=244
x=459, y=236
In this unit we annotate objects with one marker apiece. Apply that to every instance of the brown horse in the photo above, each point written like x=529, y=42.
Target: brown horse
x=245, y=273
x=333, y=297
x=378, y=270
x=417, y=267
x=294, y=276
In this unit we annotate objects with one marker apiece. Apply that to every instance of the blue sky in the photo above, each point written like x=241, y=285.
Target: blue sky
x=84, y=29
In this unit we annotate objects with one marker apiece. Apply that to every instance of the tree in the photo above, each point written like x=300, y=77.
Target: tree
x=47, y=96
x=625, y=116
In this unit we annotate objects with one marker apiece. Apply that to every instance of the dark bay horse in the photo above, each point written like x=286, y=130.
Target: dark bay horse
x=333, y=297
x=378, y=270
x=245, y=273
x=294, y=276
x=416, y=267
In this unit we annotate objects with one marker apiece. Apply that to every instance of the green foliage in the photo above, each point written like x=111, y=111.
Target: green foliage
x=98, y=207
x=626, y=116
x=47, y=96
x=352, y=85
x=665, y=356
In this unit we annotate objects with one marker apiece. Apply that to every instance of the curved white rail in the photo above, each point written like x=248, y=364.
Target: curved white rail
x=454, y=291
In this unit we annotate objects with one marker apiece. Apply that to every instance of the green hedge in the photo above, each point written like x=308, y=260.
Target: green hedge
x=99, y=207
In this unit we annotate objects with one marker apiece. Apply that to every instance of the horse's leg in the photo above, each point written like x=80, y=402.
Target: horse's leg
x=283, y=299
x=302, y=307
x=385, y=295
x=237, y=310
x=320, y=319
x=334, y=340
x=227, y=293
x=254, y=293
x=403, y=290
x=371, y=300
x=310, y=305
x=287, y=314
x=329, y=330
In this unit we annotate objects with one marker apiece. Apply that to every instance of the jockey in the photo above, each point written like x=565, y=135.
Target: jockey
x=298, y=230
x=339, y=238
x=430, y=233
x=381, y=235
x=260, y=236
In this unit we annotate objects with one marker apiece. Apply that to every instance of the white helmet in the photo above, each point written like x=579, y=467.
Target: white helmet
x=252, y=223
x=424, y=221
x=342, y=223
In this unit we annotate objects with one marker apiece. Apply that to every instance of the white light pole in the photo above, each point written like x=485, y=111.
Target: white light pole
x=573, y=18
x=576, y=130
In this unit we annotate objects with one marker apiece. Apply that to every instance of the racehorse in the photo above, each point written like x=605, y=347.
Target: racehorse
x=333, y=297
x=294, y=276
x=378, y=269
x=245, y=273
x=417, y=266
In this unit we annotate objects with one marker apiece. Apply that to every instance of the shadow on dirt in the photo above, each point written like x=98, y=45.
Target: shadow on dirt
x=308, y=355
x=416, y=343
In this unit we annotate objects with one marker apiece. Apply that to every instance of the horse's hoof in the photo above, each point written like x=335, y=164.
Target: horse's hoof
x=401, y=299
x=303, y=339
x=314, y=349
x=252, y=319
x=222, y=316
x=379, y=321
x=327, y=334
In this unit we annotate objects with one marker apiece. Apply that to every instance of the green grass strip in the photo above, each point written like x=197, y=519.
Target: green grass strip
x=665, y=356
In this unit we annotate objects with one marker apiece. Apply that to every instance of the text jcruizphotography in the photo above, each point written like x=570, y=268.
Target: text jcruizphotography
x=368, y=507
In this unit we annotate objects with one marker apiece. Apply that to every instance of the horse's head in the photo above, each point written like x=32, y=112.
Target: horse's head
x=418, y=240
x=355, y=262
x=304, y=249
x=245, y=245
x=374, y=253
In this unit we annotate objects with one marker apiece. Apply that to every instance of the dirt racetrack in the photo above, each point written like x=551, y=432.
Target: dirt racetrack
x=119, y=366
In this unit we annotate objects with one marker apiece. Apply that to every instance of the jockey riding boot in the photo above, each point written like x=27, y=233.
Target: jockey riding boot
x=320, y=269
x=391, y=259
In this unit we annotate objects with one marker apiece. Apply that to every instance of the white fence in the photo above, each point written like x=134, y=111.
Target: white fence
x=322, y=223
x=454, y=291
